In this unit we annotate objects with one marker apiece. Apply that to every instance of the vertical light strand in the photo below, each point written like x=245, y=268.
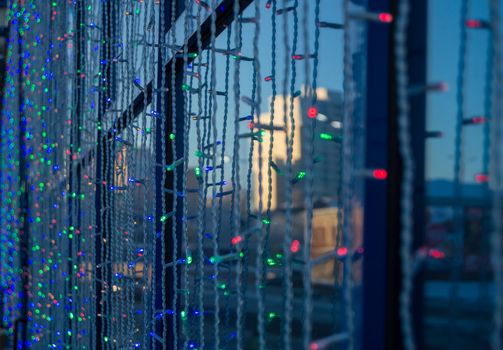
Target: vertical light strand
x=133, y=171
x=186, y=129
x=235, y=177
x=260, y=242
x=408, y=168
x=215, y=230
x=495, y=176
x=257, y=111
x=222, y=160
x=286, y=332
x=347, y=173
x=148, y=239
x=458, y=242
x=484, y=272
x=153, y=201
x=261, y=267
x=309, y=165
x=174, y=223
x=102, y=181
x=162, y=6
x=199, y=273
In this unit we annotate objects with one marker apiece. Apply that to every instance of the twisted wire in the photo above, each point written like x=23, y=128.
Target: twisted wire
x=186, y=127
x=308, y=185
x=495, y=176
x=260, y=264
x=347, y=166
x=222, y=159
x=288, y=120
x=215, y=228
x=200, y=223
x=235, y=201
x=147, y=240
x=174, y=233
x=407, y=190
x=457, y=259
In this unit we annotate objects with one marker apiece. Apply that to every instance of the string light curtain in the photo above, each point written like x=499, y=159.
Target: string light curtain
x=169, y=169
x=141, y=177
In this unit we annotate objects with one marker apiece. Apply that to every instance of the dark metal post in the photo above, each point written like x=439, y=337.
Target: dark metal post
x=382, y=273
x=380, y=276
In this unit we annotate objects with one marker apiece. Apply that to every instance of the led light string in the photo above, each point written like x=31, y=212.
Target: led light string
x=257, y=89
x=222, y=173
x=174, y=231
x=215, y=228
x=164, y=113
x=149, y=236
x=104, y=87
x=457, y=259
x=407, y=190
x=347, y=173
x=101, y=275
x=187, y=121
x=495, y=176
x=201, y=137
x=261, y=266
x=153, y=201
x=289, y=134
x=235, y=174
x=488, y=105
x=133, y=177
x=132, y=252
x=207, y=129
x=309, y=165
x=115, y=242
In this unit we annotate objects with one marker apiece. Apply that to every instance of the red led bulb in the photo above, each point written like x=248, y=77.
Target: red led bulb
x=295, y=246
x=236, y=240
x=481, y=178
x=385, y=17
x=478, y=120
x=473, y=23
x=380, y=174
x=312, y=112
x=342, y=251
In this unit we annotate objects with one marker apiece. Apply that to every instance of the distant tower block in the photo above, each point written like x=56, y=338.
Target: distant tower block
x=328, y=154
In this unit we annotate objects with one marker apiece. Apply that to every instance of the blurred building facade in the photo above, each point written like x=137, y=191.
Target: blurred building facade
x=327, y=153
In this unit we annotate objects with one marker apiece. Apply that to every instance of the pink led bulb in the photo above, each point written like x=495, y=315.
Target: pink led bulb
x=380, y=174
x=385, y=17
x=295, y=246
x=481, y=178
x=236, y=240
x=312, y=112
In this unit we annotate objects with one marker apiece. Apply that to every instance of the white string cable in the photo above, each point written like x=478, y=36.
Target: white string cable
x=286, y=332
x=495, y=177
x=308, y=185
x=236, y=186
x=458, y=242
x=407, y=188
x=260, y=242
x=186, y=120
x=213, y=118
x=347, y=166
x=174, y=232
